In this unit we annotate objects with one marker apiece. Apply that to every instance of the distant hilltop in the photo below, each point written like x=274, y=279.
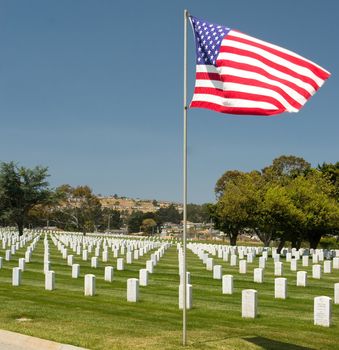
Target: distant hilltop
x=128, y=205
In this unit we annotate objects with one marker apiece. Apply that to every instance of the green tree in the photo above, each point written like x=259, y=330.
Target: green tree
x=20, y=190
x=111, y=219
x=236, y=209
x=313, y=195
x=79, y=209
x=148, y=225
x=284, y=168
x=168, y=214
x=197, y=213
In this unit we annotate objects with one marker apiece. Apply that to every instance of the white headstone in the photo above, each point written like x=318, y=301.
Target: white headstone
x=242, y=266
x=258, y=275
x=89, y=285
x=209, y=264
x=129, y=258
x=301, y=279
x=217, y=272
x=322, y=311
x=327, y=266
x=120, y=264
x=109, y=270
x=262, y=262
x=8, y=255
x=143, y=277
x=249, y=303
x=105, y=256
x=188, y=296
x=132, y=290
x=336, y=293
x=94, y=262
x=16, y=276
x=278, y=268
x=75, y=271
x=227, y=284
x=305, y=260
x=294, y=264
x=28, y=256
x=316, y=271
x=84, y=255
x=233, y=260
x=22, y=264
x=149, y=266
x=136, y=254
x=70, y=260
x=280, y=288
x=336, y=263
x=50, y=280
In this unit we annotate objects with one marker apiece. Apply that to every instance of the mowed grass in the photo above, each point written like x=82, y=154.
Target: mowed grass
x=108, y=321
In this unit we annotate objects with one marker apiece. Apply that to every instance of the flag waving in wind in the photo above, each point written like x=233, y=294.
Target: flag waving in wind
x=239, y=74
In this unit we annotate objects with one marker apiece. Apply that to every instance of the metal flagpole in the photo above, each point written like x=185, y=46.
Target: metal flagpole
x=184, y=279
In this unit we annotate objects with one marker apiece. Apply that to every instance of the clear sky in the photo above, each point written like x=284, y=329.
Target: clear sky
x=93, y=90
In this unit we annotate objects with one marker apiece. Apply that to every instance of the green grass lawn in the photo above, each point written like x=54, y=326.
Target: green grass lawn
x=108, y=321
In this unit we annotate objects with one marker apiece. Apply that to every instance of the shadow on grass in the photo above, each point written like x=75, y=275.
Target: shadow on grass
x=269, y=344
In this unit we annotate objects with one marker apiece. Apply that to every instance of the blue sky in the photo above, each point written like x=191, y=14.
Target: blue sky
x=93, y=90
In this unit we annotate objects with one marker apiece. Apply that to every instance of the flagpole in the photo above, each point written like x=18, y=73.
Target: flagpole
x=184, y=287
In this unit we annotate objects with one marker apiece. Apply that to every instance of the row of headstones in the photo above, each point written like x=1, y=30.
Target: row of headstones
x=88, y=243
x=322, y=310
x=278, y=266
x=17, y=244
x=130, y=255
x=249, y=304
x=223, y=252
x=132, y=251
x=132, y=283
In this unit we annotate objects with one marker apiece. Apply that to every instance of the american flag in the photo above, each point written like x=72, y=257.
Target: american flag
x=239, y=74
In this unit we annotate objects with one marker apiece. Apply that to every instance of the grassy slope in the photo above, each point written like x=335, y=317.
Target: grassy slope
x=107, y=321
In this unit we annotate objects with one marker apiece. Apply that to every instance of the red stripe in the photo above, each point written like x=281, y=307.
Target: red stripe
x=208, y=76
x=240, y=95
x=234, y=110
x=269, y=63
x=250, y=82
x=248, y=67
x=296, y=60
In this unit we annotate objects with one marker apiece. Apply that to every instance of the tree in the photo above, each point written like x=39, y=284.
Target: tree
x=197, y=213
x=111, y=219
x=313, y=195
x=134, y=221
x=79, y=209
x=286, y=167
x=229, y=176
x=20, y=190
x=331, y=171
x=169, y=214
x=148, y=225
x=236, y=209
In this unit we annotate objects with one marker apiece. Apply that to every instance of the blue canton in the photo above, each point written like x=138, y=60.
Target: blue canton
x=208, y=38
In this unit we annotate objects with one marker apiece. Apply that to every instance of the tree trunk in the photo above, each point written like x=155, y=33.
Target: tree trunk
x=298, y=244
x=233, y=239
x=281, y=246
x=314, y=240
x=20, y=225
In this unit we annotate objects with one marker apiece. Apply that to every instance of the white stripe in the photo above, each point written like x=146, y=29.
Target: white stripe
x=276, y=47
x=274, y=58
x=257, y=63
x=232, y=102
x=202, y=68
x=248, y=89
x=252, y=75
